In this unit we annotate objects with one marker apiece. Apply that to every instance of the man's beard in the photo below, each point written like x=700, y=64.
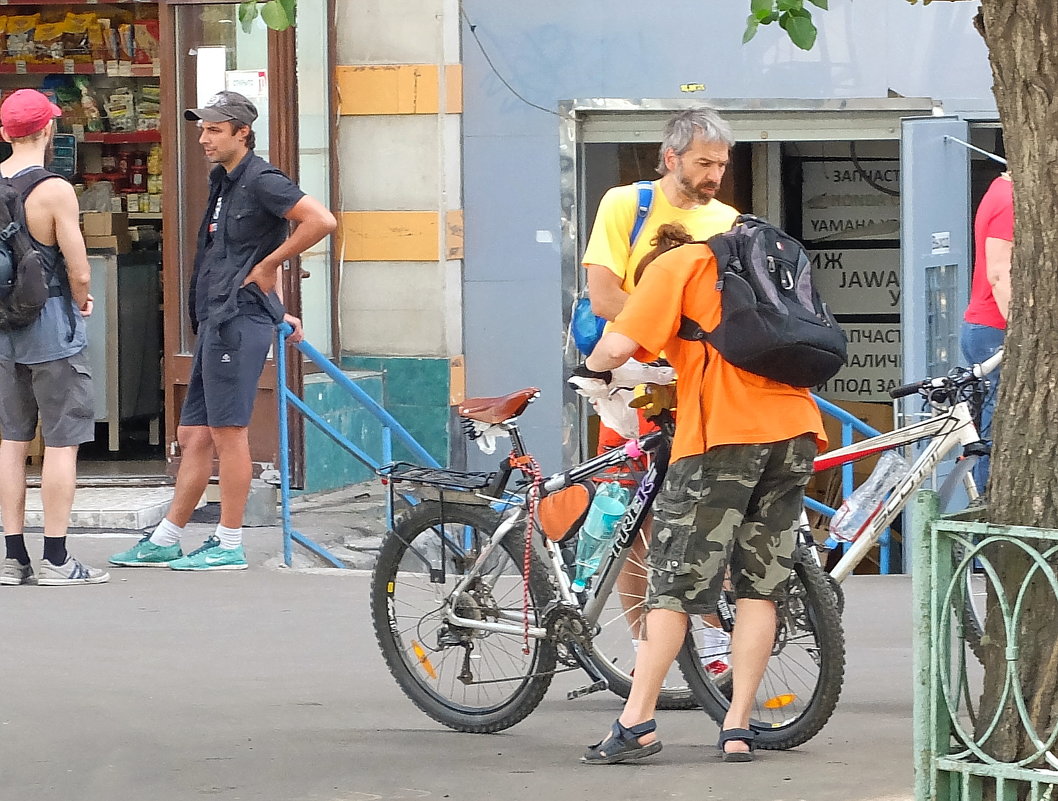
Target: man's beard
x=700, y=193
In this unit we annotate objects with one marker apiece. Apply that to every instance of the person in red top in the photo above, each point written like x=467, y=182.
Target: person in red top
x=985, y=320
x=741, y=457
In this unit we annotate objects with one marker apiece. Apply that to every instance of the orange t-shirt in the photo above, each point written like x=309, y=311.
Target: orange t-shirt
x=724, y=405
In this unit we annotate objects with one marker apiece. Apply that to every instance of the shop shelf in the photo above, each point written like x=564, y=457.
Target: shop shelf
x=70, y=2
x=119, y=69
x=132, y=137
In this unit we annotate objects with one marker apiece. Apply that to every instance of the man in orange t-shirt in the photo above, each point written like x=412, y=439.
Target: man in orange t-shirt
x=741, y=457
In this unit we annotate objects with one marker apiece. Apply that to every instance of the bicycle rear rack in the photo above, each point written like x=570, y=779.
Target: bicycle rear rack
x=437, y=483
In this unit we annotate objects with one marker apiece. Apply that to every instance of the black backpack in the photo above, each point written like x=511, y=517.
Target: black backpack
x=24, y=276
x=772, y=321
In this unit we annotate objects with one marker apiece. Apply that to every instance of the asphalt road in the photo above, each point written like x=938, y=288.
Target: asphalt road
x=267, y=684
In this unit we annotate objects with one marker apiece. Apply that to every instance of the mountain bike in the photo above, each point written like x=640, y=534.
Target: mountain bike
x=953, y=401
x=474, y=612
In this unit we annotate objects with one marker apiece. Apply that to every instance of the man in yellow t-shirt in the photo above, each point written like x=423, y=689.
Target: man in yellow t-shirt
x=693, y=156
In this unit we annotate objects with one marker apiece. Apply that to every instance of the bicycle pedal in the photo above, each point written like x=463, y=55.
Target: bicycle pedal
x=594, y=687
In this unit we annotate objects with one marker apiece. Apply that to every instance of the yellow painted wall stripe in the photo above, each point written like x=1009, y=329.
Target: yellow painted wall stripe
x=397, y=89
x=399, y=235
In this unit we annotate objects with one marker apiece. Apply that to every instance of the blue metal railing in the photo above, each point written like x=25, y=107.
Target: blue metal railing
x=849, y=425
x=390, y=429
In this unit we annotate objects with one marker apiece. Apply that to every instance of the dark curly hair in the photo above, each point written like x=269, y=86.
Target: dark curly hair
x=669, y=236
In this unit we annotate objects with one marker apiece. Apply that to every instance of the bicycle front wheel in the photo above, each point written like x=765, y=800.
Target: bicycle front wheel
x=806, y=670
x=464, y=677
x=968, y=604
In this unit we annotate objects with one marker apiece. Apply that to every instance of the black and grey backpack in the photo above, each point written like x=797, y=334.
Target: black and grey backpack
x=772, y=321
x=25, y=281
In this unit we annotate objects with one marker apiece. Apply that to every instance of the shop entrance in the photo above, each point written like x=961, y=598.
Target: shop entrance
x=142, y=344
x=123, y=72
x=831, y=176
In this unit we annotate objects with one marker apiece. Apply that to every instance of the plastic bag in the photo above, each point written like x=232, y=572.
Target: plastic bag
x=585, y=326
x=616, y=414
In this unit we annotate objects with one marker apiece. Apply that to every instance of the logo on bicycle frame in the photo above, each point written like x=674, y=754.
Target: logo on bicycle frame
x=627, y=532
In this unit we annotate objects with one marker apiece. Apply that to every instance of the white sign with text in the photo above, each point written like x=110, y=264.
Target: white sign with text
x=854, y=281
x=875, y=364
x=841, y=201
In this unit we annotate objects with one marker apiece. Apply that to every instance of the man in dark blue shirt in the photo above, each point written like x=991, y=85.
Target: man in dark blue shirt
x=242, y=242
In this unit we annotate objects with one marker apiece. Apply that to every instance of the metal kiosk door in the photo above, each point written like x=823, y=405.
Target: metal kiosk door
x=935, y=251
x=209, y=51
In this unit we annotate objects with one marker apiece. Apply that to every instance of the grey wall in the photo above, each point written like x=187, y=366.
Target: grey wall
x=551, y=51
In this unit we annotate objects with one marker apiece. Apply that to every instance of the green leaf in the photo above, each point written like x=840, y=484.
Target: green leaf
x=247, y=14
x=751, y=29
x=275, y=16
x=791, y=5
x=761, y=8
x=823, y=4
x=801, y=30
x=291, y=7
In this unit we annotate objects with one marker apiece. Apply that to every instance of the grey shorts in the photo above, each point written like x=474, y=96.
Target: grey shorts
x=228, y=362
x=59, y=391
x=737, y=506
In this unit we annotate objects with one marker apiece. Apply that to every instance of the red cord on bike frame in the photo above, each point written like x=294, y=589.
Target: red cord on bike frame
x=527, y=464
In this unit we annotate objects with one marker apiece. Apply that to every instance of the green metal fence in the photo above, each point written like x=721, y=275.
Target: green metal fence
x=956, y=563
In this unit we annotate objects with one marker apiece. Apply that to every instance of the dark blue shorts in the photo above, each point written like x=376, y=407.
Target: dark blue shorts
x=229, y=359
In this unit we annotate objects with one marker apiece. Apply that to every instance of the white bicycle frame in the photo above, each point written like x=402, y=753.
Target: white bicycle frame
x=953, y=428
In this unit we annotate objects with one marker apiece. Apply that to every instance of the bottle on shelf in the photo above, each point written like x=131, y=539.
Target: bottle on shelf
x=607, y=508
x=866, y=500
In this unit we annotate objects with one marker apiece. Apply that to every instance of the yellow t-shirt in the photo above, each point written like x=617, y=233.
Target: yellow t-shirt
x=608, y=243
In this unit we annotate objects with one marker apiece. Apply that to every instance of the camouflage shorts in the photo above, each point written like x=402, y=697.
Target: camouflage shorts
x=737, y=505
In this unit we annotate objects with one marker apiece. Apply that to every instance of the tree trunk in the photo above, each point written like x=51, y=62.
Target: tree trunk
x=1022, y=38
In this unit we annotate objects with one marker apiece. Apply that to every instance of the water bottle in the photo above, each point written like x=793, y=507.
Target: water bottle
x=866, y=500
x=607, y=508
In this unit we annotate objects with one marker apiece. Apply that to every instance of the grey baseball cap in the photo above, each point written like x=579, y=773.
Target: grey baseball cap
x=224, y=106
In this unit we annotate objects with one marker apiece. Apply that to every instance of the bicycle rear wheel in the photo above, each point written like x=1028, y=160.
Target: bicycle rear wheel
x=804, y=676
x=468, y=679
x=613, y=646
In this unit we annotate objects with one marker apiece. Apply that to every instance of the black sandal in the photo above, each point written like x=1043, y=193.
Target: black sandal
x=746, y=736
x=622, y=744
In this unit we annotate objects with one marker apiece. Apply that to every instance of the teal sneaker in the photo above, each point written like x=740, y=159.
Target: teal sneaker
x=212, y=557
x=146, y=554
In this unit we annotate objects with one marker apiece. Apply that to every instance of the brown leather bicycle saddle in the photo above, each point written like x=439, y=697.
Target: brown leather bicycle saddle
x=497, y=410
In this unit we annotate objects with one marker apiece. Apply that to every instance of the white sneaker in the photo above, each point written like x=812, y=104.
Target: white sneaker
x=715, y=650
x=13, y=573
x=69, y=572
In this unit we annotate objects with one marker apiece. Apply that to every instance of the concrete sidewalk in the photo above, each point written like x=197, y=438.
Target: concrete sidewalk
x=267, y=684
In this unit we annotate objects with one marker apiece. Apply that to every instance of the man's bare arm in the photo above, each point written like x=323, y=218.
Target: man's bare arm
x=998, y=253
x=314, y=222
x=62, y=201
x=604, y=289
x=612, y=351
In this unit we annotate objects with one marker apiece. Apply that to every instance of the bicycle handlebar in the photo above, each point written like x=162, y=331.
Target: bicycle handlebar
x=906, y=389
x=988, y=365
x=958, y=377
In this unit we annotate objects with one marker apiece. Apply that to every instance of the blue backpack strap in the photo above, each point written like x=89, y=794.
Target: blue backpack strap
x=646, y=200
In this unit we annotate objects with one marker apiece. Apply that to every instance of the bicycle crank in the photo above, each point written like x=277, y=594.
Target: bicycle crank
x=566, y=626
